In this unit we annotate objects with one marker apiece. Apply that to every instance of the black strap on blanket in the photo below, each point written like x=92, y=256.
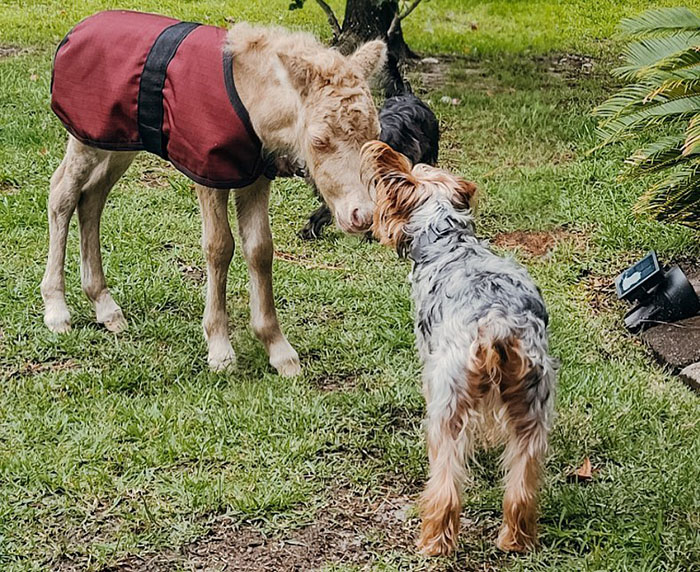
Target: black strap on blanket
x=150, y=103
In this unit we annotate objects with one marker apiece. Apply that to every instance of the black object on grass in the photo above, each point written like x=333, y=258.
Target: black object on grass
x=661, y=295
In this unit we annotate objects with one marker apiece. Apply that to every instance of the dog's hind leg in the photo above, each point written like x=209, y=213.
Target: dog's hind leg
x=256, y=237
x=526, y=392
x=449, y=440
x=217, y=242
x=82, y=169
x=523, y=459
x=110, y=167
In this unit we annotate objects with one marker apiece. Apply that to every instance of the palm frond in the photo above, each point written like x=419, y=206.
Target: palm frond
x=676, y=198
x=663, y=61
x=649, y=115
x=691, y=145
x=660, y=21
x=656, y=156
x=672, y=84
x=628, y=98
x=645, y=55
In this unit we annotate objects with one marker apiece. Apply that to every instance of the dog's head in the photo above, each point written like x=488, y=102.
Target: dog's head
x=338, y=116
x=400, y=189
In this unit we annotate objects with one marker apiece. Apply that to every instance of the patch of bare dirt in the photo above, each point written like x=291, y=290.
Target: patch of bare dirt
x=349, y=530
x=430, y=73
x=30, y=368
x=191, y=272
x=601, y=295
x=341, y=381
x=434, y=74
x=156, y=177
x=570, y=66
x=352, y=530
x=539, y=243
x=8, y=188
x=9, y=51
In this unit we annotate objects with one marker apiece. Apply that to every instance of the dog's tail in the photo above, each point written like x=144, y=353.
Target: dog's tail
x=523, y=377
x=394, y=83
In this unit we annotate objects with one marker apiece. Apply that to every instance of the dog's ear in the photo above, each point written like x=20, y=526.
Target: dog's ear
x=397, y=192
x=300, y=70
x=378, y=160
x=369, y=58
x=464, y=195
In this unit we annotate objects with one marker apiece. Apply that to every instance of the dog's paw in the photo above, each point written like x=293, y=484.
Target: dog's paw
x=435, y=546
x=310, y=232
x=511, y=541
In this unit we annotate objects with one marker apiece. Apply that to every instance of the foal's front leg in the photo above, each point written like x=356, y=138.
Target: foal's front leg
x=217, y=242
x=256, y=237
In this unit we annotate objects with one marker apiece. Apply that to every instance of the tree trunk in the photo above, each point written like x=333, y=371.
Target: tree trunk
x=367, y=20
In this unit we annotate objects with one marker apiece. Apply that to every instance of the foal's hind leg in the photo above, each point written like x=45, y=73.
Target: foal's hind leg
x=92, y=201
x=83, y=169
x=254, y=228
x=217, y=242
x=63, y=197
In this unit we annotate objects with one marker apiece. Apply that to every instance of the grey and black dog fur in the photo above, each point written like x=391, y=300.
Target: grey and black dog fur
x=481, y=332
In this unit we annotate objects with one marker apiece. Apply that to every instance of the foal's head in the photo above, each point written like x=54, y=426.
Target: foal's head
x=337, y=117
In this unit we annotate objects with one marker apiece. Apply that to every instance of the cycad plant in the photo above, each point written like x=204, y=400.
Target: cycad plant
x=662, y=64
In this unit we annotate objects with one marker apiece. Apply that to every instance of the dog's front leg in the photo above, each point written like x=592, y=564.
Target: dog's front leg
x=256, y=238
x=217, y=242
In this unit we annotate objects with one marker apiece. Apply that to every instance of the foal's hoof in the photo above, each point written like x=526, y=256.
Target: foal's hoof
x=219, y=364
x=115, y=322
x=58, y=321
x=285, y=361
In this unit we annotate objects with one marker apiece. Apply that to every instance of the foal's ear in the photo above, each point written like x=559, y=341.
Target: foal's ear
x=301, y=71
x=369, y=58
x=464, y=196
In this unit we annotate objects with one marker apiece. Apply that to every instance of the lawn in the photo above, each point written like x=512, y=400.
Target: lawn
x=124, y=453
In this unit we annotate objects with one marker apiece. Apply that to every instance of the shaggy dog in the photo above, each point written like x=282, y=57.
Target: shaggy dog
x=481, y=331
x=408, y=126
x=216, y=104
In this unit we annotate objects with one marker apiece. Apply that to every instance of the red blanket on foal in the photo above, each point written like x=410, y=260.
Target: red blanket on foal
x=129, y=81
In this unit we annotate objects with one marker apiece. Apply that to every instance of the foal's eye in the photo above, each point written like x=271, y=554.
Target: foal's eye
x=320, y=142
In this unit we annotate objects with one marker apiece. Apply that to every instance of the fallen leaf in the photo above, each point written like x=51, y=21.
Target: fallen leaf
x=583, y=474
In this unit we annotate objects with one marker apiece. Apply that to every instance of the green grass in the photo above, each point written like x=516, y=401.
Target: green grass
x=116, y=445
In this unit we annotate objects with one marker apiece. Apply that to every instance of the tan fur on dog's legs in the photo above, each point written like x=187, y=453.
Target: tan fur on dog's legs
x=441, y=503
x=256, y=239
x=523, y=461
x=92, y=201
x=217, y=242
